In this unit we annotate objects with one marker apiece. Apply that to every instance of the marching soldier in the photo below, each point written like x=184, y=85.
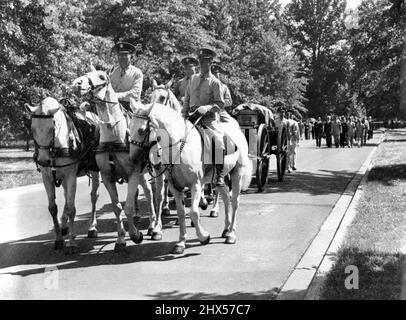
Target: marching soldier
x=293, y=142
x=126, y=79
x=204, y=95
x=189, y=64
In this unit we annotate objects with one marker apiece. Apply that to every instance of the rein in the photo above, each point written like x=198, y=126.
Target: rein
x=53, y=153
x=147, y=146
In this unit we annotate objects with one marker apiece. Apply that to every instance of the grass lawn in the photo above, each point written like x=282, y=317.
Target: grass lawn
x=17, y=169
x=376, y=239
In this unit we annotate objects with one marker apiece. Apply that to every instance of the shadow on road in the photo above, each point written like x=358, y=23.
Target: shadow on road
x=322, y=183
x=176, y=295
x=39, y=250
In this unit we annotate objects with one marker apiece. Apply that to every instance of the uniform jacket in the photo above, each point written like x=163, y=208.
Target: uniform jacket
x=203, y=90
x=293, y=131
x=335, y=128
x=180, y=88
x=127, y=83
x=327, y=128
x=318, y=128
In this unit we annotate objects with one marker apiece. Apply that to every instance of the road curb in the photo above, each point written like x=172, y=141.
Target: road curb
x=307, y=278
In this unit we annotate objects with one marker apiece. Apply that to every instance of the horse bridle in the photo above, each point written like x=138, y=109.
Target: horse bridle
x=51, y=147
x=52, y=152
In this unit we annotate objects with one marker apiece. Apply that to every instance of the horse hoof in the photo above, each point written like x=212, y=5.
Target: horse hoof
x=231, y=239
x=119, y=247
x=69, y=250
x=137, y=238
x=137, y=219
x=150, y=231
x=59, y=244
x=166, y=211
x=204, y=242
x=64, y=231
x=203, y=204
x=224, y=234
x=178, y=249
x=156, y=236
x=214, y=214
x=210, y=199
x=92, y=234
x=192, y=224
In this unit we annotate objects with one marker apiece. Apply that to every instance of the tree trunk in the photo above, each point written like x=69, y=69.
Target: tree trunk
x=402, y=107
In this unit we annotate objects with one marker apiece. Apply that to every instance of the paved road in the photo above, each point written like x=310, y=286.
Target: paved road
x=274, y=229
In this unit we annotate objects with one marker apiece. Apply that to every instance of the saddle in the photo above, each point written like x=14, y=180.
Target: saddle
x=87, y=138
x=208, y=154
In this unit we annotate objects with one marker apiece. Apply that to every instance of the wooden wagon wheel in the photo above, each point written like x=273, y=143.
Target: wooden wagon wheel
x=263, y=152
x=282, y=153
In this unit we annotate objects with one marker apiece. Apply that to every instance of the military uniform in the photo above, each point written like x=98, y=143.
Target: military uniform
x=293, y=143
x=126, y=83
x=225, y=92
x=181, y=86
x=206, y=90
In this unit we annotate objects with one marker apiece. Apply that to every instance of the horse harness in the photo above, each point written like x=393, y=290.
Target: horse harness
x=146, y=146
x=56, y=152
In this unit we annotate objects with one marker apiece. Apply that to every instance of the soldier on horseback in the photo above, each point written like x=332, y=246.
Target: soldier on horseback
x=189, y=64
x=204, y=95
x=126, y=79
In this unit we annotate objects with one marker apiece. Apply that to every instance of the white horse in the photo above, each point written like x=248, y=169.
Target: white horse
x=113, y=159
x=59, y=163
x=156, y=124
x=162, y=94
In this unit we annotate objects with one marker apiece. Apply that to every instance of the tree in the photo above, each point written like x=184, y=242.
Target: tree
x=44, y=48
x=317, y=31
x=376, y=48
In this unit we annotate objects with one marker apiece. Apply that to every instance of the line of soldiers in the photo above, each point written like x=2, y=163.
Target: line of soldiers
x=344, y=132
x=202, y=92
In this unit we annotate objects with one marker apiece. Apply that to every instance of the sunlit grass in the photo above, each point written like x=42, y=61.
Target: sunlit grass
x=375, y=241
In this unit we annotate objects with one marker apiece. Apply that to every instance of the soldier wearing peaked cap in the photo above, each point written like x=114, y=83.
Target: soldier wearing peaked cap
x=189, y=64
x=126, y=79
x=204, y=95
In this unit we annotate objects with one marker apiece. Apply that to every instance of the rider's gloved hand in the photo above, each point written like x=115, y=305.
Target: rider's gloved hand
x=203, y=109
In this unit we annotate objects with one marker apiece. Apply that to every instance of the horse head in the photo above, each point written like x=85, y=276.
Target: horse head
x=47, y=128
x=94, y=82
x=141, y=133
x=162, y=94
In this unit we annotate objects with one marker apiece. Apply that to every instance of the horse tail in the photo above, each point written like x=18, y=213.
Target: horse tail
x=246, y=174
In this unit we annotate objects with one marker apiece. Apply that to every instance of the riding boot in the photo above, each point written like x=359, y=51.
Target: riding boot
x=220, y=175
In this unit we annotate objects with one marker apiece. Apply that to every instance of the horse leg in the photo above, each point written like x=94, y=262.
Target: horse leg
x=165, y=204
x=210, y=196
x=92, y=231
x=204, y=236
x=159, y=188
x=53, y=209
x=214, y=213
x=225, y=195
x=150, y=200
x=137, y=216
x=235, y=201
x=69, y=210
x=112, y=190
x=203, y=202
x=135, y=235
x=180, y=208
